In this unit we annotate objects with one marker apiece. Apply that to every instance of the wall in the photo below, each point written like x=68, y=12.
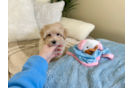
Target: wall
x=108, y=16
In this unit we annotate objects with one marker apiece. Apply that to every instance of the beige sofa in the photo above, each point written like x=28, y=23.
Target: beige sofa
x=21, y=48
x=20, y=51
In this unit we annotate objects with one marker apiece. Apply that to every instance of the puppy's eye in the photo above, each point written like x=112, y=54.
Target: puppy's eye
x=58, y=34
x=49, y=35
x=87, y=46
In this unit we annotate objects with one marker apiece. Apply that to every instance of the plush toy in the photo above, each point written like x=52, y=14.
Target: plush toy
x=89, y=46
x=88, y=52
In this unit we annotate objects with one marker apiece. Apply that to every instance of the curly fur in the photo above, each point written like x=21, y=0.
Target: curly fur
x=53, y=33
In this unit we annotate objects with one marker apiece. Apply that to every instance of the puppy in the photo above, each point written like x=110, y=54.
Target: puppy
x=53, y=35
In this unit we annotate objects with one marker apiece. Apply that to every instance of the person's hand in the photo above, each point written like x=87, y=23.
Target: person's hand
x=48, y=52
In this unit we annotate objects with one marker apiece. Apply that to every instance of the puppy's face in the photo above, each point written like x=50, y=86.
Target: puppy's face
x=53, y=34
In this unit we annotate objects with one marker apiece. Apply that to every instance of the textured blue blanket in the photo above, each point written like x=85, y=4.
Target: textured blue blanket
x=69, y=73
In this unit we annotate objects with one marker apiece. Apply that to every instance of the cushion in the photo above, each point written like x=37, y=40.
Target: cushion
x=21, y=21
x=77, y=29
x=48, y=13
x=19, y=52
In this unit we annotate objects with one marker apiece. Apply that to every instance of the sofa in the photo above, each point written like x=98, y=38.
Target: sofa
x=22, y=45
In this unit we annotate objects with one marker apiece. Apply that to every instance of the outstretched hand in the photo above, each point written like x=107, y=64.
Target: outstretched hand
x=49, y=52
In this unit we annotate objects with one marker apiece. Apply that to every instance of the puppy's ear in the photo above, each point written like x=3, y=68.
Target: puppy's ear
x=42, y=33
x=65, y=33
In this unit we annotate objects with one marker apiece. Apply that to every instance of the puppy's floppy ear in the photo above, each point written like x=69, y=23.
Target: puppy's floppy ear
x=42, y=33
x=65, y=33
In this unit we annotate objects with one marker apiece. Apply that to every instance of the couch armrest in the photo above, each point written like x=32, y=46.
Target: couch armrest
x=77, y=29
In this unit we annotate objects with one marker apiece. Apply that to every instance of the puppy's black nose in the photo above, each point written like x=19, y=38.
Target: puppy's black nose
x=53, y=42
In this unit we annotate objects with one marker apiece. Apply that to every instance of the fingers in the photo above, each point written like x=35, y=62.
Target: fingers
x=57, y=54
x=60, y=45
x=57, y=50
x=53, y=47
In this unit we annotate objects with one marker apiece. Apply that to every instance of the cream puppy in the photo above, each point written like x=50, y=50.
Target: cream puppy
x=53, y=35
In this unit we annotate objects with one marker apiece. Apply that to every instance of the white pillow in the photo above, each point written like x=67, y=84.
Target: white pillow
x=77, y=29
x=45, y=1
x=48, y=13
x=21, y=21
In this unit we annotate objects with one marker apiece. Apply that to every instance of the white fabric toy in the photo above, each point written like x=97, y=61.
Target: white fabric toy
x=89, y=46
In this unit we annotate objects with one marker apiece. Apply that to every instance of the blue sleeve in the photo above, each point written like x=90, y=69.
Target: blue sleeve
x=33, y=74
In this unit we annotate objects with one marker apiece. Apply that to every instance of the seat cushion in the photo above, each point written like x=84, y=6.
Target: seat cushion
x=19, y=52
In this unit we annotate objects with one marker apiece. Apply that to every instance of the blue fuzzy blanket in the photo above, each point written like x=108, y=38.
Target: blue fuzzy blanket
x=69, y=73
